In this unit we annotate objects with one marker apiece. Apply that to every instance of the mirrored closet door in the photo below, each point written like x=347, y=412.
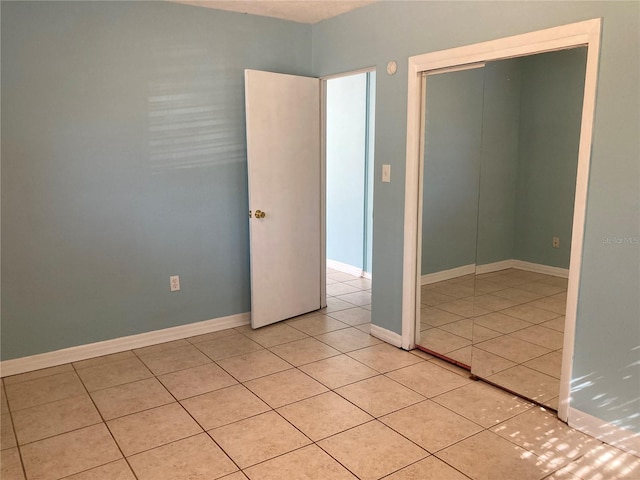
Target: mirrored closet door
x=500, y=158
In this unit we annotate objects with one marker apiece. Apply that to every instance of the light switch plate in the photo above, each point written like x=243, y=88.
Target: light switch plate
x=386, y=173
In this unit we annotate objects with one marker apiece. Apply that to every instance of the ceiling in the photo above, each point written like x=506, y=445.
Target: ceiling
x=303, y=11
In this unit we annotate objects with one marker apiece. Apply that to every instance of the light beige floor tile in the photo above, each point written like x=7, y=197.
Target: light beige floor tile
x=45, y=372
x=604, y=462
x=485, y=364
x=69, y=453
x=338, y=371
x=456, y=290
x=341, y=277
x=541, y=288
x=285, y=387
x=152, y=428
x=118, y=470
x=172, y=360
x=494, y=303
x=384, y=357
x=356, y=298
x=420, y=354
x=348, y=339
x=379, y=395
x=367, y=307
x=211, y=336
x=54, y=418
x=555, y=305
x=275, y=334
x=193, y=458
x=340, y=289
x=435, y=317
x=541, y=432
x=352, y=316
x=258, y=438
x=550, y=364
x=304, y=351
x=43, y=390
x=538, y=335
x=360, y=283
x=483, y=404
x=372, y=450
x=464, y=308
x=161, y=347
x=528, y=383
x=431, y=468
x=7, y=437
x=500, y=322
x=458, y=370
x=486, y=456
x=518, y=294
x=131, y=398
x=10, y=465
x=512, y=348
x=114, y=357
x=486, y=285
x=462, y=328
x=365, y=327
x=556, y=281
x=428, y=379
x=196, y=381
x=306, y=463
x=324, y=415
x=444, y=426
x=226, y=347
x=431, y=298
x=224, y=406
x=235, y=476
x=317, y=325
x=462, y=356
x=335, y=305
x=561, y=475
x=4, y=406
x=440, y=341
x=552, y=403
x=530, y=313
x=253, y=365
x=113, y=374
x=556, y=324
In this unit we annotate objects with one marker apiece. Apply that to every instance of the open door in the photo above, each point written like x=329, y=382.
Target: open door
x=284, y=170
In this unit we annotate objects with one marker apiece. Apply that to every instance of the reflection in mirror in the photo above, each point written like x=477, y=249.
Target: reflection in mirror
x=500, y=159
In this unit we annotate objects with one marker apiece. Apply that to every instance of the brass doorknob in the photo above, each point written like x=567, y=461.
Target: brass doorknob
x=260, y=214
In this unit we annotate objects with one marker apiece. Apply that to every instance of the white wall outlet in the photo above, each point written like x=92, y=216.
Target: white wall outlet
x=174, y=282
x=556, y=242
x=386, y=173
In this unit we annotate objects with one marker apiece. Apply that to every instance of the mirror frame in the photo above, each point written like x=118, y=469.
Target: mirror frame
x=586, y=33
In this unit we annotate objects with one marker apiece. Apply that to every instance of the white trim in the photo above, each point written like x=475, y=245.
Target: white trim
x=607, y=432
x=345, y=268
x=386, y=336
x=323, y=193
x=349, y=73
x=447, y=274
x=91, y=350
x=538, y=268
x=367, y=275
x=494, y=267
x=586, y=33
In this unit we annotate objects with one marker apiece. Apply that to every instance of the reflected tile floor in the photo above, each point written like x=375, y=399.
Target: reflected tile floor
x=310, y=398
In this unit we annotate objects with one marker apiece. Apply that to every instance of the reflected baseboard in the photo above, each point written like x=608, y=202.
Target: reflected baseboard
x=448, y=274
x=490, y=268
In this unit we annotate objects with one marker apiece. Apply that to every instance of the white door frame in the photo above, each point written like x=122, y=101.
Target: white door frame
x=586, y=33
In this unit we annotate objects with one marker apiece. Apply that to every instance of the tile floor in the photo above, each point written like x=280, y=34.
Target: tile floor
x=315, y=397
x=508, y=326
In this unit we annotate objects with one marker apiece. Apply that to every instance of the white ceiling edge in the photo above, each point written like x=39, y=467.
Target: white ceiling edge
x=302, y=11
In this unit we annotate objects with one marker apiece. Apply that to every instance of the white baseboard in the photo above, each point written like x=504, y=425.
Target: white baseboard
x=447, y=274
x=522, y=265
x=494, y=267
x=386, y=335
x=367, y=275
x=613, y=435
x=91, y=350
x=538, y=268
x=345, y=268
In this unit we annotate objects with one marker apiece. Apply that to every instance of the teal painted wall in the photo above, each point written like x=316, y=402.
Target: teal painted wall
x=549, y=136
x=453, y=141
x=606, y=366
x=346, y=159
x=499, y=161
x=123, y=162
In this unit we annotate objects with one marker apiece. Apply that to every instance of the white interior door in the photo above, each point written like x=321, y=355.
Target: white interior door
x=283, y=150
